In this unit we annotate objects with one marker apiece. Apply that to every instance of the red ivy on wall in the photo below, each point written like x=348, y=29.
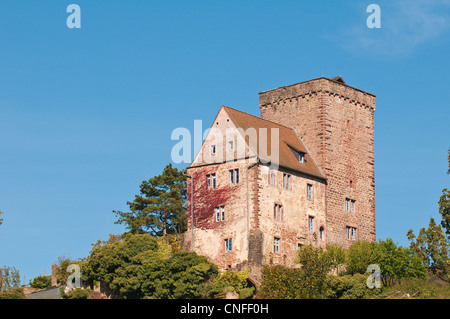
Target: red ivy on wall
x=206, y=200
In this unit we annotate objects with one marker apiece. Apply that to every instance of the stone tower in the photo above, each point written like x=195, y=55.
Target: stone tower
x=336, y=123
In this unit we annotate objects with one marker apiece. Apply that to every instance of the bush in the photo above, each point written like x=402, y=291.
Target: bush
x=360, y=255
x=279, y=282
x=15, y=293
x=77, y=293
x=229, y=281
x=348, y=287
x=40, y=282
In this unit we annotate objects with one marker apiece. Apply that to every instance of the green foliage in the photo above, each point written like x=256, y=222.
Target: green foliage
x=40, y=282
x=13, y=293
x=348, y=287
x=417, y=288
x=160, y=208
x=433, y=248
x=279, y=282
x=141, y=266
x=397, y=262
x=229, y=281
x=9, y=278
x=444, y=210
x=336, y=256
x=360, y=255
x=77, y=293
x=307, y=282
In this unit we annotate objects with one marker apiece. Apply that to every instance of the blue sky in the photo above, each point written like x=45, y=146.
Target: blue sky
x=86, y=114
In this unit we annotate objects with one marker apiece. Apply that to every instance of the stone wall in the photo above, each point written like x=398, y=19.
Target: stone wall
x=336, y=123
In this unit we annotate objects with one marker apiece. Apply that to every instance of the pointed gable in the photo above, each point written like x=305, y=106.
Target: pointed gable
x=289, y=142
x=292, y=153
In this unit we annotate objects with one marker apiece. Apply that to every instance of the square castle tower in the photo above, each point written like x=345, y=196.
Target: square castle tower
x=250, y=205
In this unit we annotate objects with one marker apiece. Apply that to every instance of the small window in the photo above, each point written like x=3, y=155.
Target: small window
x=299, y=246
x=309, y=190
x=234, y=176
x=301, y=158
x=311, y=223
x=228, y=245
x=321, y=229
x=276, y=245
x=351, y=233
x=277, y=212
x=213, y=149
x=228, y=122
x=350, y=205
x=231, y=145
x=271, y=177
x=287, y=181
x=220, y=214
x=211, y=181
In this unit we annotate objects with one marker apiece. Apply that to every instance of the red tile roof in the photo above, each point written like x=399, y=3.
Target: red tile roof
x=288, y=139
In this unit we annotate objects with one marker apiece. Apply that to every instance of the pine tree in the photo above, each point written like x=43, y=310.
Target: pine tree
x=159, y=209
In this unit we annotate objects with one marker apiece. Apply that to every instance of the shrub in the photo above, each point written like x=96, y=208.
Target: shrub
x=40, y=282
x=14, y=293
x=229, y=281
x=77, y=293
x=348, y=287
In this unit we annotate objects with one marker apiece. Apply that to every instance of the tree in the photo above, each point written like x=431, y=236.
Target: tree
x=397, y=262
x=9, y=278
x=432, y=247
x=40, y=282
x=444, y=204
x=444, y=210
x=448, y=158
x=160, y=208
x=360, y=255
x=138, y=266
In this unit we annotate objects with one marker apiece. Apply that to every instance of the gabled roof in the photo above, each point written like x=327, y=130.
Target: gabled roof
x=288, y=140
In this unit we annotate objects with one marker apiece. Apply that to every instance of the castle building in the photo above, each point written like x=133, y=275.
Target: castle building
x=303, y=172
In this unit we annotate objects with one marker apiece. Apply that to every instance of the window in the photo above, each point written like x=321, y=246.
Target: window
x=211, y=181
x=351, y=233
x=228, y=245
x=276, y=245
x=277, y=212
x=309, y=189
x=311, y=223
x=299, y=246
x=321, y=232
x=350, y=205
x=220, y=214
x=234, y=176
x=230, y=144
x=287, y=181
x=228, y=122
x=271, y=177
x=301, y=158
x=213, y=149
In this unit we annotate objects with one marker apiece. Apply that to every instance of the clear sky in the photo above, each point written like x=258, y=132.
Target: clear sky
x=86, y=114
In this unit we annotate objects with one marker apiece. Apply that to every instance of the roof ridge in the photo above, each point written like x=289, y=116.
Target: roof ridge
x=259, y=118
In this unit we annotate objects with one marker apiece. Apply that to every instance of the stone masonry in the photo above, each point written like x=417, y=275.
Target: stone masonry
x=321, y=191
